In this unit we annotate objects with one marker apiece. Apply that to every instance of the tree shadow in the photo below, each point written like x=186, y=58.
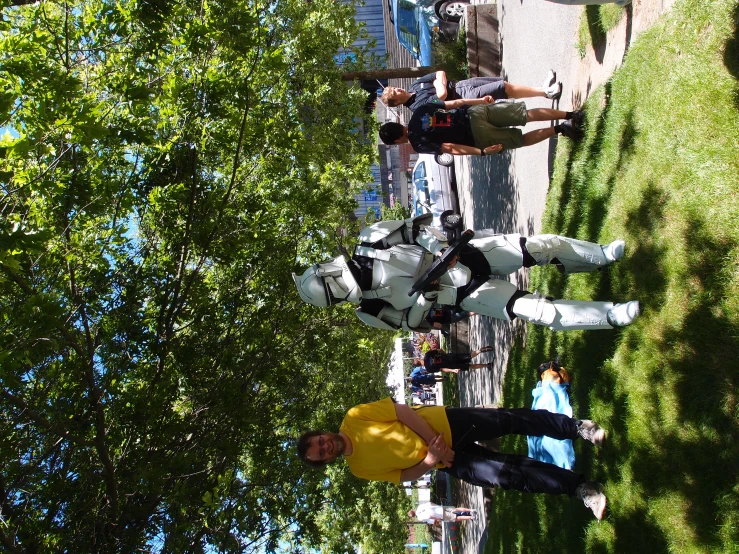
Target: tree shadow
x=551, y=155
x=698, y=466
x=731, y=53
x=494, y=193
x=572, y=202
x=597, y=34
x=699, y=355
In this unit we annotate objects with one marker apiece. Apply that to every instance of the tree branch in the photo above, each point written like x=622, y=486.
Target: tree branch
x=35, y=416
x=94, y=392
x=25, y=287
x=22, y=2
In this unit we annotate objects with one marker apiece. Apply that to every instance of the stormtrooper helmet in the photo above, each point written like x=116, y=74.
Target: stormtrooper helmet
x=328, y=284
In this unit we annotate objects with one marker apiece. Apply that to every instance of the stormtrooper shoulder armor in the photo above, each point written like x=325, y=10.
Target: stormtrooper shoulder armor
x=385, y=234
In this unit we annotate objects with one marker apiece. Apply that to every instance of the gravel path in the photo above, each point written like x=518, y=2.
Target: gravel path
x=507, y=192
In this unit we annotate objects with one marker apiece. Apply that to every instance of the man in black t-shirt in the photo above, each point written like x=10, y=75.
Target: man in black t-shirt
x=476, y=127
x=435, y=86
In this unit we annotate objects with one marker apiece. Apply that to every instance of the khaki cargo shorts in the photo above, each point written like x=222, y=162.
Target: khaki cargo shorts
x=495, y=124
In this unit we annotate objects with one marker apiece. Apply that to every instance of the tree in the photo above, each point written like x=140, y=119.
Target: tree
x=165, y=166
x=389, y=73
x=398, y=211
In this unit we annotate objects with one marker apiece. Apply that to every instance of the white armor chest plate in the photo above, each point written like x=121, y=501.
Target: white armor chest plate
x=405, y=260
x=404, y=265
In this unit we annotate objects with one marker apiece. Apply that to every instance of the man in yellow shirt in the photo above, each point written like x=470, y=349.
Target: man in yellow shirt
x=385, y=441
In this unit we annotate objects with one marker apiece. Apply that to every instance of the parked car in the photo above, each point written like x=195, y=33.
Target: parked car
x=446, y=160
x=432, y=192
x=416, y=22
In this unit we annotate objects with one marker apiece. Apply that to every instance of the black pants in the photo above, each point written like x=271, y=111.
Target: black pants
x=483, y=467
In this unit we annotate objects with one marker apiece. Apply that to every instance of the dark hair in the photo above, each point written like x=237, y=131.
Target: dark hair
x=554, y=364
x=417, y=362
x=303, y=444
x=390, y=132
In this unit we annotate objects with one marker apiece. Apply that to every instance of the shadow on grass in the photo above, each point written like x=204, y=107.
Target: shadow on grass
x=597, y=34
x=569, y=200
x=595, y=208
x=731, y=53
x=692, y=461
x=699, y=358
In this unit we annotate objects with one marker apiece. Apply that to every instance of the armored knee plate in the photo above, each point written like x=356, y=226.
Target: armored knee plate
x=503, y=252
x=491, y=299
x=561, y=315
x=574, y=255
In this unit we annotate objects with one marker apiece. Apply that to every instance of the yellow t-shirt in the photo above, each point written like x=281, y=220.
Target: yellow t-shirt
x=382, y=445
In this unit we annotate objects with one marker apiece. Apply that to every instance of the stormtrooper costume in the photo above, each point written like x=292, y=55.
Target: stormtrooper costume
x=392, y=255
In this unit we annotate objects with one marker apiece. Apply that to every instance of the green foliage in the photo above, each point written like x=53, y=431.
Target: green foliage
x=451, y=54
x=165, y=167
x=661, y=173
x=398, y=211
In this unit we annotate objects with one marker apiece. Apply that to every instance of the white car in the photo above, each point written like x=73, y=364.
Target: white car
x=432, y=193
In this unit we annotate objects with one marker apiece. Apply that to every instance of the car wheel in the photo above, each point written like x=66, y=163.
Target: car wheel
x=444, y=159
x=437, y=9
x=452, y=11
x=450, y=220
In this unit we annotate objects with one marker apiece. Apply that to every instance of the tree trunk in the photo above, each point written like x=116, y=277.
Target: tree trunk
x=397, y=73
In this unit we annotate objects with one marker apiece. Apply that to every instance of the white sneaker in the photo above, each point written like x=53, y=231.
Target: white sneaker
x=623, y=314
x=554, y=92
x=614, y=251
x=550, y=80
x=591, y=493
x=591, y=431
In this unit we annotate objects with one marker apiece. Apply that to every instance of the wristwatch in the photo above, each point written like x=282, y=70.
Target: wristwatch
x=482, y=151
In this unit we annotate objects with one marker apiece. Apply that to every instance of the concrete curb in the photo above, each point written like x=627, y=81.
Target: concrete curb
x=483, y=40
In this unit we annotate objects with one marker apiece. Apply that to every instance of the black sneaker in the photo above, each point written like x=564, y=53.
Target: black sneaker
x=578, y=118
x=571, y=131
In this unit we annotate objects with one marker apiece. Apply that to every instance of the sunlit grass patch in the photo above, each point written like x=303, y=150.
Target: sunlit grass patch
x=595, y=22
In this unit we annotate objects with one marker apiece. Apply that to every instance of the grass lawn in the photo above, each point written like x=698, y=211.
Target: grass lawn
x=659, y=167
x=595, y=22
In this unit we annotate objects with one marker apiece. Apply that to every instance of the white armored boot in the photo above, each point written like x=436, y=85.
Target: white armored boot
x=575, y=256
x=493, y=296
x=570, y=315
